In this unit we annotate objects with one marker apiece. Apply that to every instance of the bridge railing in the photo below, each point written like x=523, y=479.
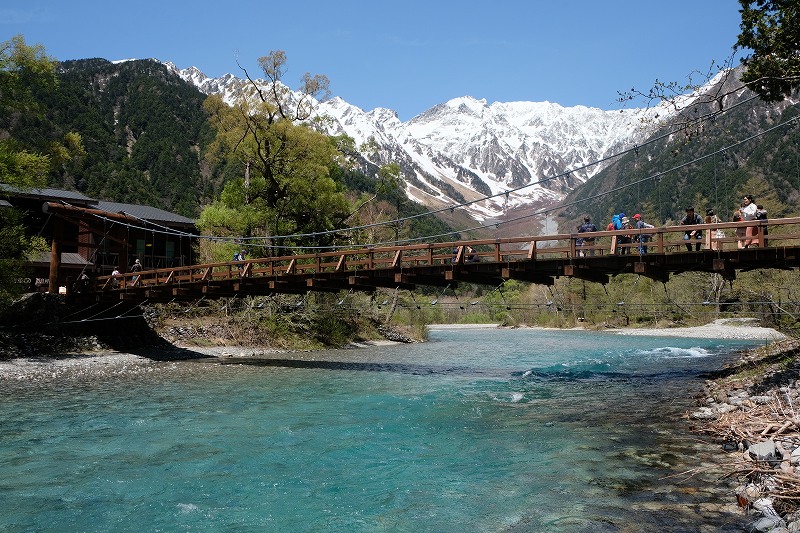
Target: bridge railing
x=662, y=240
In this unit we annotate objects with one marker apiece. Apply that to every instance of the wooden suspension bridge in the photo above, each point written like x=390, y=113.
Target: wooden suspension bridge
x=537, y=259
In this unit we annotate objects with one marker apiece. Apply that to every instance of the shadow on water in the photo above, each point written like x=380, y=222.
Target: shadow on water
x=400, y=368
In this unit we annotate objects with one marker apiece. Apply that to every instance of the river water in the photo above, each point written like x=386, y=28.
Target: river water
x=476, y=430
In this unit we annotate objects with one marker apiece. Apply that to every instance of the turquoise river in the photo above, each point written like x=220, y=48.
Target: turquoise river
x=477, y=430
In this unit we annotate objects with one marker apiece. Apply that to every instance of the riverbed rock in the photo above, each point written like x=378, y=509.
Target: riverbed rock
x=763, y=451
x=770, y=520
x=794, y=457
x=392, y=334
x=704, y=413
x=761, y=400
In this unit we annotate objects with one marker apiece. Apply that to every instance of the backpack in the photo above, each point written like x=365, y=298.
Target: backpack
x=237, y=256
x=616, y=221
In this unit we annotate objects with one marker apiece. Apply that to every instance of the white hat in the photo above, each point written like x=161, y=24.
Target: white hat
x=136, y=261
x=625, y=220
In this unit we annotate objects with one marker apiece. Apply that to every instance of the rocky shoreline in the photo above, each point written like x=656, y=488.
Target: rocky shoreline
x=750, y=411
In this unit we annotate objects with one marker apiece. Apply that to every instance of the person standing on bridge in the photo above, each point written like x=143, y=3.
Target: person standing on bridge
x=712, y=218
x=748, y=211
x=691, y=219
x=586, y=227
x=615, y=224
x=627, y=239
x=761, y=214
x=240, y=256
x=741, y=233
x=642, y=238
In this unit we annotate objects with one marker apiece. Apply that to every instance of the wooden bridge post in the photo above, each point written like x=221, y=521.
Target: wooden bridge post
x=531, y=251
x=55, y=256
x=398, y=257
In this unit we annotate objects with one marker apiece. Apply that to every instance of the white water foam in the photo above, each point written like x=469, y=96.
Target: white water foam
x=670, y=352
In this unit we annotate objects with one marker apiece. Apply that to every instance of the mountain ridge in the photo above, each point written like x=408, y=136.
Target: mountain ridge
x=465, y=149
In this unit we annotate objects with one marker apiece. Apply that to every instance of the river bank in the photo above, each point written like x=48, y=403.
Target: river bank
x=749, y=410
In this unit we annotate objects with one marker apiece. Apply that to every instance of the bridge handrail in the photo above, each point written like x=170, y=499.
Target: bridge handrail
x=394, y=257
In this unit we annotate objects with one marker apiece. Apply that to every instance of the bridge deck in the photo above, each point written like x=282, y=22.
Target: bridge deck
x=538, y=259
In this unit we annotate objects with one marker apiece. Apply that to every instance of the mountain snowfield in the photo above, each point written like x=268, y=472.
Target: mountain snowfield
x=518, y=154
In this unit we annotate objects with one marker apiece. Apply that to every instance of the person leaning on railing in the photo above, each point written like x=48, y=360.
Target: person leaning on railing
x=692, y=219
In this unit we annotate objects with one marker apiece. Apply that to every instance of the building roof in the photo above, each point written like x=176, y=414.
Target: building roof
x=48, y=194
x=146, y=212
x=68, y=259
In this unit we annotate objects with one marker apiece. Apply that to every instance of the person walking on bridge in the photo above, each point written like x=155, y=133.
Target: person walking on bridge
x=136, y=267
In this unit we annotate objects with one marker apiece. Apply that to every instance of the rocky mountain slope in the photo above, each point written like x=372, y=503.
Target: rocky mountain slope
x=466, y=149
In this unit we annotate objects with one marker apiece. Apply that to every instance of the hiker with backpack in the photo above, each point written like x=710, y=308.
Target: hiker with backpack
x=615, y=224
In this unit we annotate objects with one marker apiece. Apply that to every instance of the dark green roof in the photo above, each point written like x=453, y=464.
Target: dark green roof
x=146, y=212
x=153, y=214
x=53, y=195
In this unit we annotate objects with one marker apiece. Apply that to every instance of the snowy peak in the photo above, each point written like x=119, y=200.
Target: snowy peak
x=466, y=148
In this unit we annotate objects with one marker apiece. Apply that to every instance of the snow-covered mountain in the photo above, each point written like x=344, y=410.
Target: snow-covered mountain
x=467, y=149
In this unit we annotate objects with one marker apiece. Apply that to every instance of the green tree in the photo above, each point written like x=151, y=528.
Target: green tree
x=286, y=185
x=771, y=29
x=23, y=70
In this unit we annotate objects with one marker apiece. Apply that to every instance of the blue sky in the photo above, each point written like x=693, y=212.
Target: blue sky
x=407, y=56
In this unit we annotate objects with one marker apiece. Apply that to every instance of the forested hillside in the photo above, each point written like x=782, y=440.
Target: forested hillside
x=145, y=133
x=143, y=130
x=705, y=158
